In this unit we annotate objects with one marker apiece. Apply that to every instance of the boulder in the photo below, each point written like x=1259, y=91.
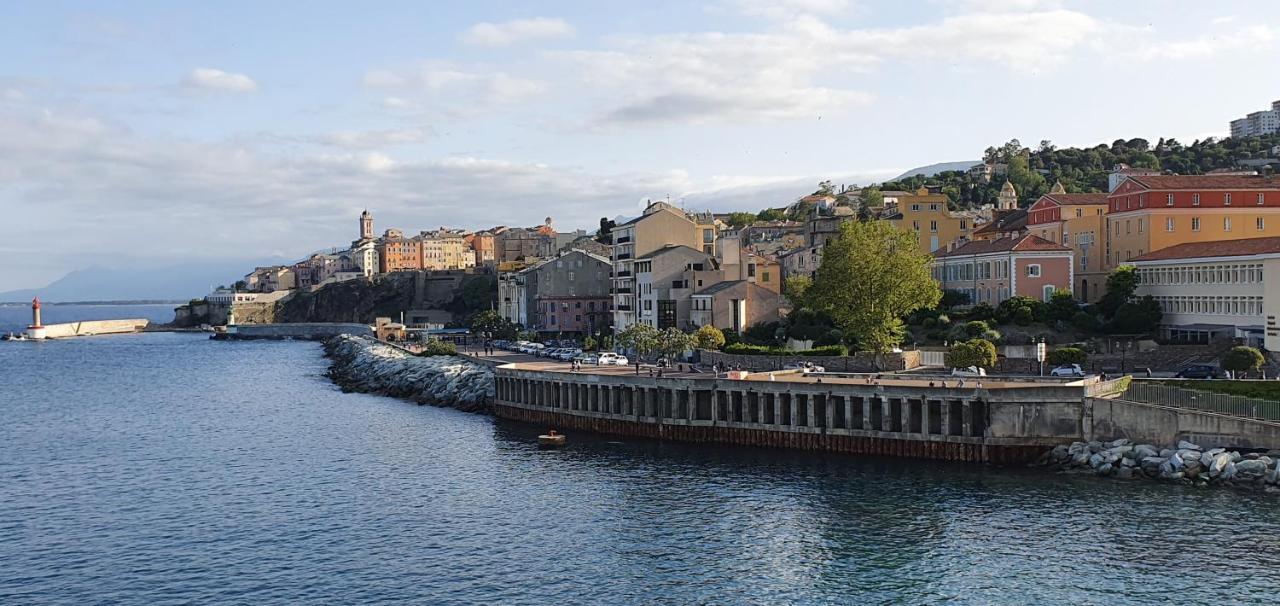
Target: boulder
x=1228, y=472
x=1080, y=459
x=1124, y=473
x=1167, y=452
x=1185, y=445
x=1120, y=450
x=1120, y=442
x=1076, y=448
x=1215, y=451
x=1094, y=446
x=1219, y=464
x=1095, y=460
x=1059, y=454
x=1235, y=456
x=1143, y=451
x=1105, y=469
x=1251, y=469
x=1206, y=459
x=1151, y=466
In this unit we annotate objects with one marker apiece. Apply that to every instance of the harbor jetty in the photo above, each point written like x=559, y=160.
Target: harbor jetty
x=37, y=330
x=365, y=365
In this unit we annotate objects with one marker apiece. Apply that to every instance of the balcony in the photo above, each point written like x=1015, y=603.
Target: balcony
x=622, y=307
x=623, y=256
x=625, y=290
x=622, y=274
x=622, y=240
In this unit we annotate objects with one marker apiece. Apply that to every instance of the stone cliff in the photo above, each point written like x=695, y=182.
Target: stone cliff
x=441, y=296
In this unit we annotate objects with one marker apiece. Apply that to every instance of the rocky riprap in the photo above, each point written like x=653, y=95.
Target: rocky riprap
x=1188, y=463
x=366, y=365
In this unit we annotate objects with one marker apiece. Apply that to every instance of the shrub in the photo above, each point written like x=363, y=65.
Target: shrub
x=974, y=352
x=1086, y=322
x=975, y=328
x=1243, y=359
x=953, y=298
x=761, y=350
x=832, y=337
x=1023, y=316
x=992, y=335
x=439, y=348
x=929, y=323
x=944, y=320
x=982, y=311
x=1066, y=355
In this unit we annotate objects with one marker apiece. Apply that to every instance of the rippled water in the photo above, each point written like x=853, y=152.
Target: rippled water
x=162, y=468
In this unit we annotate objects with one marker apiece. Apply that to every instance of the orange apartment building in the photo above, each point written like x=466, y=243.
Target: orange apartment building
x=1150, y=212
x=397, y=253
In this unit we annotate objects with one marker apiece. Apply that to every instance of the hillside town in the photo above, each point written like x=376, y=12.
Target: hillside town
x=1194, y=251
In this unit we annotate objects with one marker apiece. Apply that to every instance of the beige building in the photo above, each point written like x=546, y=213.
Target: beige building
x=1217, y=290
x=444, y=249
x=665, y=280
x=660, y=225
x=734, y=305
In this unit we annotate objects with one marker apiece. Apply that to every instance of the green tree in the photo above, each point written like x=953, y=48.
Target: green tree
x=1121, y=285
x=1141, y=316
x=708, y=337
x=672, y=342
x=1066, y=355
x=974, y=352
x=589, y=343
x=479, y=292
x=740, y=219
x=795, y=289
x=771, y=214
x=496, y=326
x=639, y=337
x=1243, y=359
x=869, y=278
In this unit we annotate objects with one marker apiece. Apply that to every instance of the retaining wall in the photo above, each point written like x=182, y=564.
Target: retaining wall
x=93, y=327
x=301, y=330
x=861, y=361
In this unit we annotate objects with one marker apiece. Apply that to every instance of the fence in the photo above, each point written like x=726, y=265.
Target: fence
x=933, y=358
x=1164, y=395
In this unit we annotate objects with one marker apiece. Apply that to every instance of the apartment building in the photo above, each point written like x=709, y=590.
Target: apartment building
x=1149, y=213
x=1079, y=222
x=925, y=215
x=661, y=225
x=990, y=271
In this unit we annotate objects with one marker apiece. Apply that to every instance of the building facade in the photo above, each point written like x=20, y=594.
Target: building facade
x=665, y=280
x=995, y=270
x=1220, y=290
x=734, y=305
x=1265, y=122
x=659, y=226
x=1150, y=213
x=1078, y=221
x=925, y=215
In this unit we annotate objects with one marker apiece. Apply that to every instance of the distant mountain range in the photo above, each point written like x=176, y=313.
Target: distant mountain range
x=173, y=283
x=933, y=169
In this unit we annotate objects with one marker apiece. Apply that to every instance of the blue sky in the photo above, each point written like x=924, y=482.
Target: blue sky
x=139, y=133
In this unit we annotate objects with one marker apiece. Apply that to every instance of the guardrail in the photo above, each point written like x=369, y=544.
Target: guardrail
x=1177, y=397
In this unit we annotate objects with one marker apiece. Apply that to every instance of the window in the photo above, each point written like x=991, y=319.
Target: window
x=1139, y=225
x=933, y=207
x=1195, y=199
x=1226, y=199
x=1195, y=223
x=764, y=277
x=1127, y=227
x=1079, y=212
x=1261, y=199
x=933, y=226
x=915, y=225
x=1048, y=292
x=915, y=208
x=1033, y=271
x=1168, y=224
x=1168, y=200
x=1261, y=223
x=1226, y=224
x=964, y=224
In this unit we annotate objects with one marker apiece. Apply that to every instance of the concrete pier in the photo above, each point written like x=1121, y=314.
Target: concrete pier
x=1004, y=423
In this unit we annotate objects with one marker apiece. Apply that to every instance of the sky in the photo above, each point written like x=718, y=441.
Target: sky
x=147, y=133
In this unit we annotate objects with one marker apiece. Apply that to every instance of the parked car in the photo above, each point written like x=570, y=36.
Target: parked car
x=607, y=357
x=1199, y=371
x=1067, y=370
x=804, y=367
x=619, y=360
x=588, y=359
x=972, y=371
x=570, y=353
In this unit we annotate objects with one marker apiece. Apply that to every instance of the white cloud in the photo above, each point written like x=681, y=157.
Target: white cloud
x=99, y=185
x=789, y=9
x=802, y=68
x=205, y=78
x=1252, y=38
x=517, y=31
x=372, y=139
x=465, y=89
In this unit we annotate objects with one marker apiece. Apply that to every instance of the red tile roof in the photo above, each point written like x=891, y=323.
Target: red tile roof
x=1005, y=220
x=1236, y=182
x=1216, y=248
x=1070, y=199
x=1027, y=243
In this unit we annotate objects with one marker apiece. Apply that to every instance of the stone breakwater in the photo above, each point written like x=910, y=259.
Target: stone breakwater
x=365, y=365
x=1187, y=463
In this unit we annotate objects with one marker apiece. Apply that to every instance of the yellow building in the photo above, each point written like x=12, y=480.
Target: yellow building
x=926, y=215
x=1147, y=213
x=443, y=249
x=1078, y=221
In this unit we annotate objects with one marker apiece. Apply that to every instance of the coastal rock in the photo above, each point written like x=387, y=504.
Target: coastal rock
x=1206, y=459
x=365, y=365
x=1125, y=473
x=1185, y=445
x=1219, y=464
x=1121, y=442
x=1143, y=451
x=1251, y=469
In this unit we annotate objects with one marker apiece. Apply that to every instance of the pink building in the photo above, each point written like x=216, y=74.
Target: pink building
x=990, y=271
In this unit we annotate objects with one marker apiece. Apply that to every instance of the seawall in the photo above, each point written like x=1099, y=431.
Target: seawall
x=365, y=365
x=312, y=331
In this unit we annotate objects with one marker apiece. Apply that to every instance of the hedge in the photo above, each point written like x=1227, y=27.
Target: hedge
x=746, y=349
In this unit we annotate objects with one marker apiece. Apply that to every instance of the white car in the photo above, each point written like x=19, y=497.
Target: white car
x=607, y=357
x=1067, y=370
x=619, y=360
x=972, y=371
x=588, y=359
x=804, y=367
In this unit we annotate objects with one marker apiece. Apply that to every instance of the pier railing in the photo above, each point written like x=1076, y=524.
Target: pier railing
x=1164, y=395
